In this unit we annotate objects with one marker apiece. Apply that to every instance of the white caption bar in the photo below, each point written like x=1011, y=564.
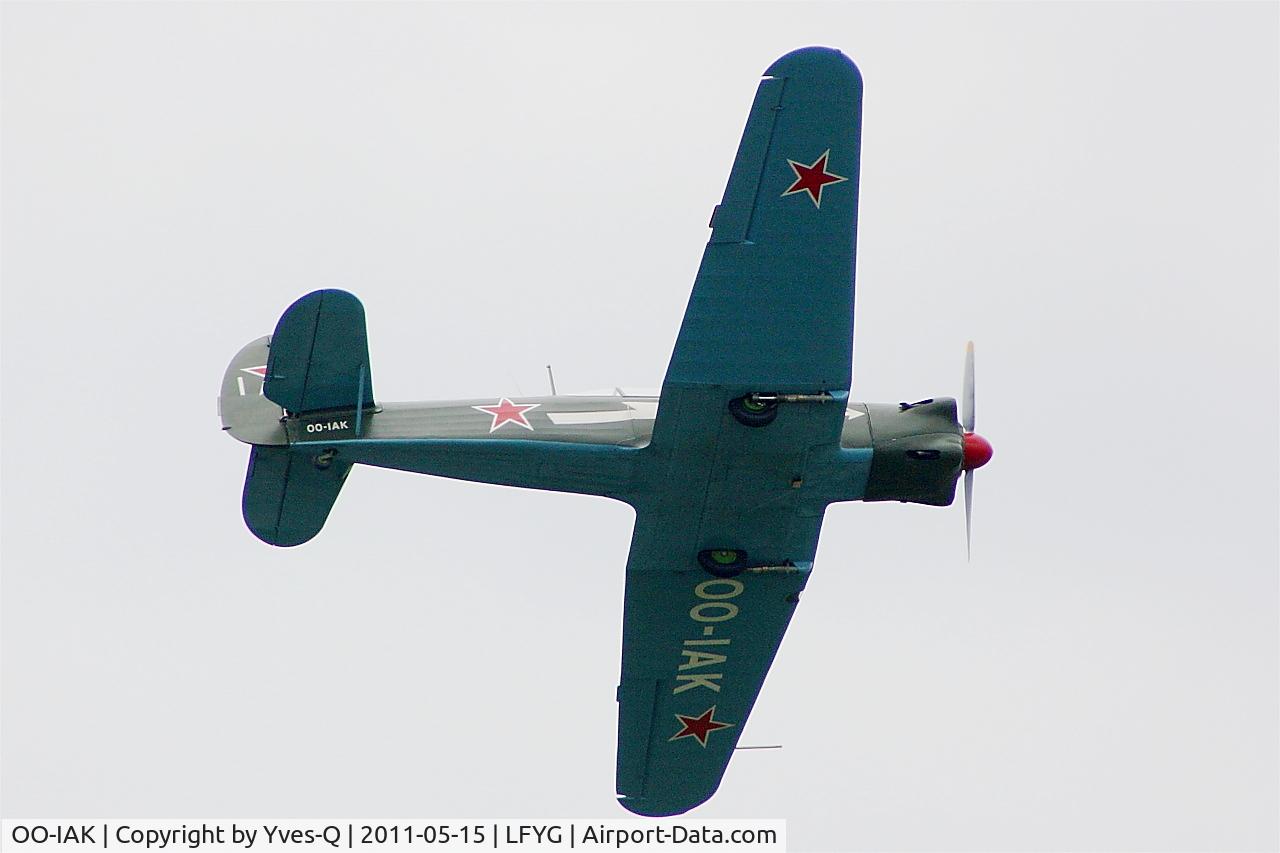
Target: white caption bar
x=375, y=836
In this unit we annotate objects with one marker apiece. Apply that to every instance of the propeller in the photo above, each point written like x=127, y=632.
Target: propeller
x=966, y=404
x=977, y=450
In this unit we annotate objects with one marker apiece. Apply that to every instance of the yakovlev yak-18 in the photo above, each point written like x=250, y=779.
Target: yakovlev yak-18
x=729, y=469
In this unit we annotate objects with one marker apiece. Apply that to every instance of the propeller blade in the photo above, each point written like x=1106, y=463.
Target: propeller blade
x=966, y=401
x=968, y=514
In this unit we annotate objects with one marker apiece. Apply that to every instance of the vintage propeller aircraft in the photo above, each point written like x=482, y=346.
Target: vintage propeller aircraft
x=729, y=468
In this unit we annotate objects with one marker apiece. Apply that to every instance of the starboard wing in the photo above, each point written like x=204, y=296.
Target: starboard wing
x=772, y=305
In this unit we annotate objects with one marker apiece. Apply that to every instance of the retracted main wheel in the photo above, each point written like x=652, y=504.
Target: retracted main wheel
x=723, y=562
x=753, y=411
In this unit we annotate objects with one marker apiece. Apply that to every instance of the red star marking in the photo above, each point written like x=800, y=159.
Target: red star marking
x=260, y=372
x=507, y=412
x=813, y=178
x=700, y=726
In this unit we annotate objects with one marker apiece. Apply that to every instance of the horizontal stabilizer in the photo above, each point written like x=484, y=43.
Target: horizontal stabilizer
x=320, y=355
x=288, y=494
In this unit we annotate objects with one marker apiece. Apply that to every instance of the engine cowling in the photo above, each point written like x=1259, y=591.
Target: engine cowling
x=918, y=450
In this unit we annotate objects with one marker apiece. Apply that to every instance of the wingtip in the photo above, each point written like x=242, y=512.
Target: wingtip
x=676, y=800
x=815, y=61
x=648, y=807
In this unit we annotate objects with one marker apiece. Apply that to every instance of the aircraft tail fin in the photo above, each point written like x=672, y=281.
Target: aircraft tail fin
x=309, y=380
x=246, y=413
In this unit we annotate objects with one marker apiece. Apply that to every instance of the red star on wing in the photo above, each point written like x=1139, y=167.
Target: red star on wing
x=700, y=726
x=507, y=412
x=813, y=178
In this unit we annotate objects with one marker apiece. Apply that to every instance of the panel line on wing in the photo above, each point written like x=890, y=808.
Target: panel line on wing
x=764, y=161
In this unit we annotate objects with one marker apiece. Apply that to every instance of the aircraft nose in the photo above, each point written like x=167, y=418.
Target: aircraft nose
x=977, y=451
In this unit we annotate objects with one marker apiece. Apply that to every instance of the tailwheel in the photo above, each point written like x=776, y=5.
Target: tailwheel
x=723, y=562
x=755, y=409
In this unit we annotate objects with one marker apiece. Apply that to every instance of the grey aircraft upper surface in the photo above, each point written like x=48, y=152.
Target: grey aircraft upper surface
x=729, y=468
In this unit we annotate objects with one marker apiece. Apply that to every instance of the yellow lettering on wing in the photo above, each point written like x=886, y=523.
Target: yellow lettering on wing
x=704, y=679
x=711, y=608
x=697, y=659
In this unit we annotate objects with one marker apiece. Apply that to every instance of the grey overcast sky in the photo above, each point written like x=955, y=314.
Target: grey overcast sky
x=1087, y=190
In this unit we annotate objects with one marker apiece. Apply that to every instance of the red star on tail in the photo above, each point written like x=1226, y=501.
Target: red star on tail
x=700, y=726
x=507, y=412
x=813, y=178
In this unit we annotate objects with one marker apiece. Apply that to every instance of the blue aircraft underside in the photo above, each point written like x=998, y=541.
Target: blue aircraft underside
x=730, y=468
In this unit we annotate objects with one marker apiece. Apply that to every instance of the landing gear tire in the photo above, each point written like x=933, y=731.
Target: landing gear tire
x=751, y=412
x=723, y=562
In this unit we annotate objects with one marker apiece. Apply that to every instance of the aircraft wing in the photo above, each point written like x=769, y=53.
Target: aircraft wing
x=772, y=306
x=771, y=311
x=696, y=649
